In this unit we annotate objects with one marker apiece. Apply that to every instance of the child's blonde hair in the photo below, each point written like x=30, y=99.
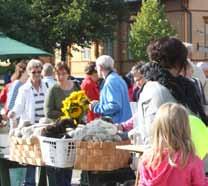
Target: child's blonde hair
x=171, y=132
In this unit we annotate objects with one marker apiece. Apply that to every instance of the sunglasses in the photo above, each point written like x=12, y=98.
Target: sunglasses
x=36, y=72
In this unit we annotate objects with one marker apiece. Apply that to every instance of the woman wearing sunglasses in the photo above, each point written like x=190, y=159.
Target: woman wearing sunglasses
x=29, y=105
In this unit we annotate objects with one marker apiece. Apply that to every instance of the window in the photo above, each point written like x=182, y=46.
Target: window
x=206, y=35
x=108, y=47
x=206, y=38
x=86, y=53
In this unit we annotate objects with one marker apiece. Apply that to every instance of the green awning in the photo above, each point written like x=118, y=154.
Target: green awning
x=12, y=49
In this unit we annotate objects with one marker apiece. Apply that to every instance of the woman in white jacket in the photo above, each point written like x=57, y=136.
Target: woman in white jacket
x=29, y=105
x=164, y=84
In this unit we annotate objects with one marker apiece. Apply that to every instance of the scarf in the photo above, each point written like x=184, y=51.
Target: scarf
x=181, y=88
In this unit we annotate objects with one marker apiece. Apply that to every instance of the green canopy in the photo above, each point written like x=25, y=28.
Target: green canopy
x=11, y=49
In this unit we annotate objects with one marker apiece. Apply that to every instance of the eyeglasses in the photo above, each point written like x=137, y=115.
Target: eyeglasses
x=36, y=72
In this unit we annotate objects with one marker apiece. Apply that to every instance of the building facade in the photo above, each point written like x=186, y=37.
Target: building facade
x=188, y=17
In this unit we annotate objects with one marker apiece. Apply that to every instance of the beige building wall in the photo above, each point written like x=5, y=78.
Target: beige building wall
x=81, y=57
x=198, y=4
x=198, y=35
x=199, y=9
x=177, y=16
x=177, y=20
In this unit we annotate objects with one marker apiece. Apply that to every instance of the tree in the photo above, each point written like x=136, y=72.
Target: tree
x=51, y=23
x=78, y=21
x=16, y=20
x=151, y=23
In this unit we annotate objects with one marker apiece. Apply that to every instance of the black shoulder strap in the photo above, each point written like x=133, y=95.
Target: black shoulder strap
x=77, y=85
x=46, y=83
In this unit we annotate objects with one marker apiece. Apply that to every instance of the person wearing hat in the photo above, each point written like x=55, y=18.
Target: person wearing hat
x=90, y=86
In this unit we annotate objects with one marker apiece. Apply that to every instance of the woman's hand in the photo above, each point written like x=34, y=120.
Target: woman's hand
x=92, y=103
x=11, y=115
x=119, y=127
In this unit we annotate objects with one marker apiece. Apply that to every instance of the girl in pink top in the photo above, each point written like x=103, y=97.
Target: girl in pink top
x=171, y=161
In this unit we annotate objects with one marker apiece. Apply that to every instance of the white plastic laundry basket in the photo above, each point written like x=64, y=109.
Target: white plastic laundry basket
x=58, y=152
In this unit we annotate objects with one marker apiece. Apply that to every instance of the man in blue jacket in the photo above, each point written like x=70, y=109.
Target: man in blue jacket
x=114, y=100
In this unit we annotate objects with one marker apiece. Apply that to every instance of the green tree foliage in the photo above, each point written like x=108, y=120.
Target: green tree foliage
x=151, y=23
x=51, y=23
x=17, y=21
x=78, y=21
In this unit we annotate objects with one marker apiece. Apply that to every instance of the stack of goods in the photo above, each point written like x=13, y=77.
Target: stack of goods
x=59, y=129
x=24, y=143
x=96, y=147
x=25, y=151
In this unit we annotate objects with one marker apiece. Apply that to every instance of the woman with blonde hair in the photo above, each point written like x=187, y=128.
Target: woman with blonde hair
x=171, y=159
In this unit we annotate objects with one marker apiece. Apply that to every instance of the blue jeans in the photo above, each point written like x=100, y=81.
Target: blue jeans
x=17, y=176
x=59, y=176
x=30, y=176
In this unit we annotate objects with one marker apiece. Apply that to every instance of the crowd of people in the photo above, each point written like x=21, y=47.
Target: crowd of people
x=166, y=91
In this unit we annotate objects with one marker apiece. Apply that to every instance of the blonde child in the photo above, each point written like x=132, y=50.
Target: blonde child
x=171, y=161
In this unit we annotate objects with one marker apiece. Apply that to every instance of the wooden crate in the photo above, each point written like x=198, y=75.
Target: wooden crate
x=101, y=156
x=25, y=151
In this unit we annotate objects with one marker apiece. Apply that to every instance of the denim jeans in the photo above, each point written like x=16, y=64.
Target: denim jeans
x=30, y=176
x=17, y=176
x=59, y=176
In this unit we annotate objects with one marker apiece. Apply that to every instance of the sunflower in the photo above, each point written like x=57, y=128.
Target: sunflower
x=75, y=105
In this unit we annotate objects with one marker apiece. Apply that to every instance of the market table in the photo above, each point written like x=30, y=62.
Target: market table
x=133, y=148
x=93, y=178
x=110, y=178
x=6, y=164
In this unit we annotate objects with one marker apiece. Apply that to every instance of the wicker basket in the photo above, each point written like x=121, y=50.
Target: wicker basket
x=100, y=156
x=4, y=144
x=25, y=151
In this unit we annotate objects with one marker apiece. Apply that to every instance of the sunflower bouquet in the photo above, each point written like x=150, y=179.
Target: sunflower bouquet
x=75, y=106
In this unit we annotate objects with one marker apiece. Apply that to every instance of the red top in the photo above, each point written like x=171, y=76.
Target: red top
x=3, y=96
x=92, y=91
x=167, y=175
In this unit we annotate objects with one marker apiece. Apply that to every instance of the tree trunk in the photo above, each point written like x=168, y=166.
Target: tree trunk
x=96, y=49
x=63, y=50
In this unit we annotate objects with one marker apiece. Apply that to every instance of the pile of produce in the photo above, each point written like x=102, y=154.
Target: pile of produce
x=58, y=130
x=27, y=130
x=97, y=130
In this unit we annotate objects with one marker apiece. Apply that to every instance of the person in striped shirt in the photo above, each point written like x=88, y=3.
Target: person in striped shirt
x=29, y=105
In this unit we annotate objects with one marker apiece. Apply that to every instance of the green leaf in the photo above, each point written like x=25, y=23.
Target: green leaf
x=151, y=23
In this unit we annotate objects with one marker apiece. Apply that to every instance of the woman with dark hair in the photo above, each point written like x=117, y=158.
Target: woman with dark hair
x=90, y=86
x=20, y=76
x=52, y=108
x=168, y=57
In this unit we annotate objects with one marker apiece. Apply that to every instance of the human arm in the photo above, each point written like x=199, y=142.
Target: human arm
x=110, y=100
x=13, y=94
x=19, y=105
x=3, y=94
x=129, y=124
x=197, y=173
x=50, y=108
